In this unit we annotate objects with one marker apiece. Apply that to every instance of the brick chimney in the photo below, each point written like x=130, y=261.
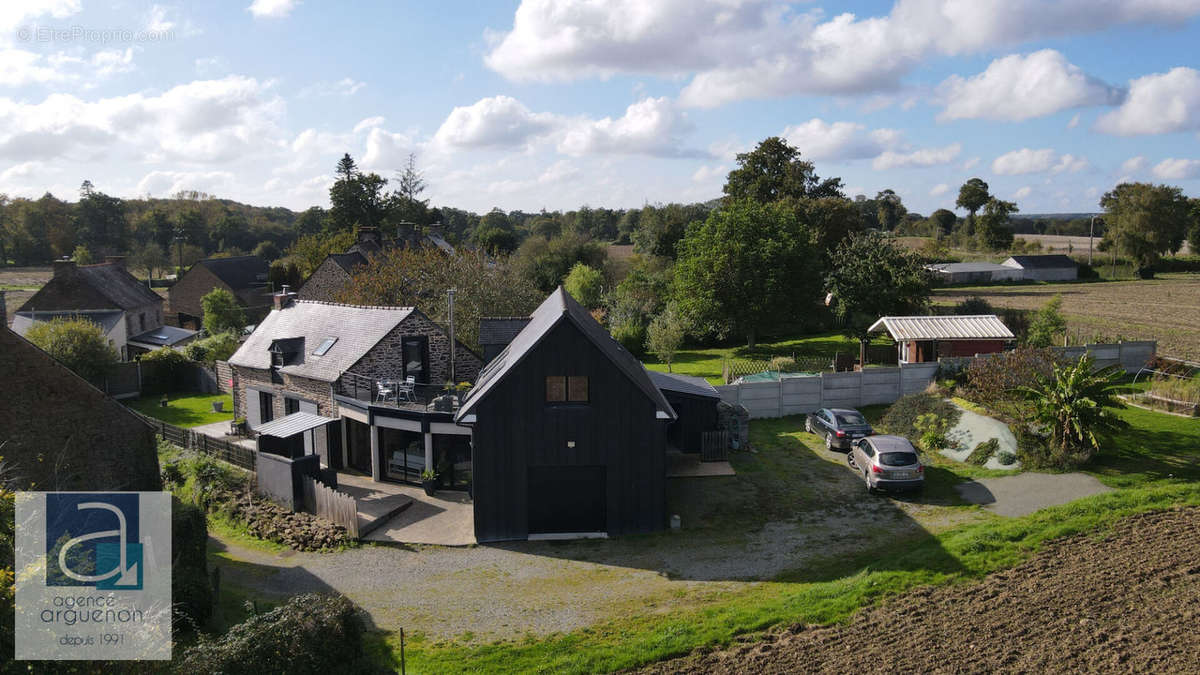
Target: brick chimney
x=284, y=297
x=369, y=234
x=118, y=260
x=63, y=267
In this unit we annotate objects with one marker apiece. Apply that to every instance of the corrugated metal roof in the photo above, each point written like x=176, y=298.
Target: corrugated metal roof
x=969, y=267
x=977, y=327
x=683, y=384
x=560, y=306
x=1041, y=262
x=290, y=425
x=357, y=329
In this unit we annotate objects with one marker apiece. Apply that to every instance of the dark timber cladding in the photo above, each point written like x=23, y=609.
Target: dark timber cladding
x=570, y=466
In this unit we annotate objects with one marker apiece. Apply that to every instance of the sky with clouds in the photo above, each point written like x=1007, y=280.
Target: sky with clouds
x=532, y=104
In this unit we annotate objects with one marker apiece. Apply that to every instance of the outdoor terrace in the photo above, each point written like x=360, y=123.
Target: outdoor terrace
x=394, y=393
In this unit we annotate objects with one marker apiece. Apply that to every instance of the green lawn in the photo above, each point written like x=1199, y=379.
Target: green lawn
x=706, y=363
x=1155, y=463
x=185, y=409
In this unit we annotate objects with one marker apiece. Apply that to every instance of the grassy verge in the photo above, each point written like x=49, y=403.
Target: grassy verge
x=185, y=409
x=956, y=556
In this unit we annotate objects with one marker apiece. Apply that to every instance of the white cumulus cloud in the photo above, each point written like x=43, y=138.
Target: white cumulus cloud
x=1023, y=192
x=818, y=139
x=1157, y=104
x=1177, y=169
x=917, y=158
x=1133, y=164
x=938, y=190
x=1027, y=160
x=272, y=9
x=497, y=121
x=1019, y=87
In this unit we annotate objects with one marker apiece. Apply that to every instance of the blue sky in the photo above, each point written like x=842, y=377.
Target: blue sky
x=536, y=104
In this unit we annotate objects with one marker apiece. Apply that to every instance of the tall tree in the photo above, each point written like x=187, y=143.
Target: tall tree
x=356, y=198
x=1145, y=221
x=994, y=230
x=747, y=270
x=972, y=196
x=891, y=209
x=871, y=277
x=943, y=221
x=406, y=202
x=100, y=222
x=585, y=284
x=222, y=313
x=665, y=335
x=773, y=171
x=661, y=227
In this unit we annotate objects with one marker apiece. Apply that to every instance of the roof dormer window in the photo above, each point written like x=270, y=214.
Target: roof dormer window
x=286, y=352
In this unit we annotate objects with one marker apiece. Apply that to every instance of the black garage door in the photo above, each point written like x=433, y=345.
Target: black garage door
x=567, y=499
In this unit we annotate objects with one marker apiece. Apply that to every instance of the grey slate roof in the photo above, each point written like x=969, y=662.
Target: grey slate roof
x=118, y=285
x=239, y=273
x=348, y=261
x=1055, y=261
x=683, y=384
x=107, y=319
x=500, y=330
x=977, y=327
x=357, y=329
x=164, y=336
x=558, y=307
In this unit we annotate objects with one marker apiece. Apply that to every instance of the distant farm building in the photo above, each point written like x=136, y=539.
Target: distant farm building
x=1044, y=267
x=974, y=273
x=924, y=339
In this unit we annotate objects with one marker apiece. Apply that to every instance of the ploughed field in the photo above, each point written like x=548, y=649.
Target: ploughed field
x=20, y=283
x=1166, y=308
x=1126, y=601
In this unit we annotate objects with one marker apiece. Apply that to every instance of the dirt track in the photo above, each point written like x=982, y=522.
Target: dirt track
x=1128, y=603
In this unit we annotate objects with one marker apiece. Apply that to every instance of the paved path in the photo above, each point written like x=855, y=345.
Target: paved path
x=973, y=429
x=1028, y=492
x=220, y=431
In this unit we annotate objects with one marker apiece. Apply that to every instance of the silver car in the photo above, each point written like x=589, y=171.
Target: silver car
x=887, y=463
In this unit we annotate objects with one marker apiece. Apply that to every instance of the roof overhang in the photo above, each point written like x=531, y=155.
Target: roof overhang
x=906, y=328
x=291, y=425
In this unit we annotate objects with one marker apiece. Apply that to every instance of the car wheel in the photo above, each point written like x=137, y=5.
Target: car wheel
x=808, y=425
x=828, y=441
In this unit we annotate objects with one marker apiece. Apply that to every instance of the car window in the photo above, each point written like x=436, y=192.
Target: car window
x=869, y=449
x=897, y=458
x=850, y=419
x=824, y=415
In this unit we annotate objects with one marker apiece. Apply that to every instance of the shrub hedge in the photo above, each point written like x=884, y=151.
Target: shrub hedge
x=983, y=452
x=191, y=589
x=901, y=417
x=311, y=633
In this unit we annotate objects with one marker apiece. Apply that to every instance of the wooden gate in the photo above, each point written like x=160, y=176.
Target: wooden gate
x=326, y=502
x=714, y=446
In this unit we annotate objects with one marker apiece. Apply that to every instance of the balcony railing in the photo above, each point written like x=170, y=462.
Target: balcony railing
x=390, y=392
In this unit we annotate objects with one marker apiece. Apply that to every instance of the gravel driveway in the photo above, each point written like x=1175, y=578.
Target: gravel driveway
x=1028, y=492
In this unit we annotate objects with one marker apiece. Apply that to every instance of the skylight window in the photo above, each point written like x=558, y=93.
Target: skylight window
x=324, y=346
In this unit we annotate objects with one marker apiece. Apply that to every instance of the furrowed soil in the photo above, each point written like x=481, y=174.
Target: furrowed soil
x=1127, y=600
x=1166, y=308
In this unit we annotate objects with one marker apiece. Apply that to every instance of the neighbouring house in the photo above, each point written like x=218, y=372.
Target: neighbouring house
x=496, y=332
x=57, y=432
x=129, y=313
x=1055, y=267
x=973, y=273
x=335, y=375
x=695, y=403
x=244, y=276
x=331, y=276
x=568, y=433
x=334, y=273
x=925, y=339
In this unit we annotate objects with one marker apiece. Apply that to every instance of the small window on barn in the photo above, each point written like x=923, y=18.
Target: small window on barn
x=324, y=346
x=577, y=389
x=556, y=389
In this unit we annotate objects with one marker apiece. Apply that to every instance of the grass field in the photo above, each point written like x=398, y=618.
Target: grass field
x=707, y=362
x=1166, y=308
x=185, y=410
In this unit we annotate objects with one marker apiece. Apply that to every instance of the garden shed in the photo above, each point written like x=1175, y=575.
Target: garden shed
x=973, y=273
x=695, y=402
x=924, y=339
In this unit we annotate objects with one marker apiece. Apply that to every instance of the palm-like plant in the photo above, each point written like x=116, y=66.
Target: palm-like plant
x=1076, y=405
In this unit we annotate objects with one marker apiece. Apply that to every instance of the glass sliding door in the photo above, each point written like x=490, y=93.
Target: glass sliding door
x=403, y=454
x=452, y=457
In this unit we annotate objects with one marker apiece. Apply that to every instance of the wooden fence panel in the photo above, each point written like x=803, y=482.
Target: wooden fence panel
x=325, y=502
x=714, y=446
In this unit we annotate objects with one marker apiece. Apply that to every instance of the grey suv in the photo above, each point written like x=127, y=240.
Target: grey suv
x=838, y=426
x=887, y=463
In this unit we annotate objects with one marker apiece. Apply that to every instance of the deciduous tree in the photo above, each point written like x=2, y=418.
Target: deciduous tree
x=222, y=313
x=994, y=231
x=586, y=285
x=1145, y=221
x=891, y=209
x=972, y=196
x=773, y=171
x=78, y=344
x=665, y=335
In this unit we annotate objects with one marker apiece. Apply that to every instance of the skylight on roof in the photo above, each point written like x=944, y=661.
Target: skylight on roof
x=324, y=346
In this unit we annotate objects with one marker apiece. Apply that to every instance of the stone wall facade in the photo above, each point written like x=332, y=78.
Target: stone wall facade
x=326, y=283
x=386, y=359
x=303, y=388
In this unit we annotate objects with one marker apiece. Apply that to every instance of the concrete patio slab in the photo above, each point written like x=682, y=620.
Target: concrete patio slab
x=445, y=519
x=377, y=502
x=688, y=465
x=220, y=430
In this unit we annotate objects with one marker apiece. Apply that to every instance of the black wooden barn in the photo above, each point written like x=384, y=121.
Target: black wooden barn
x=695, y=403
x=568, y=433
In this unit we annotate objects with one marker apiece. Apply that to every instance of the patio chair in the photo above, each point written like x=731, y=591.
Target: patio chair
x=407, y=389
x=384, y=390
x=396, y=464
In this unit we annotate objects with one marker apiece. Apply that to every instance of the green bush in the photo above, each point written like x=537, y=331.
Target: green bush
x=1032, y=449
x=983, y=452
x=310, y=634
x=901, y=417
x=933, y=431
x=1006, y=458
x=632, y=336
x=192, y=593
x=163, y=369
x=217, y=347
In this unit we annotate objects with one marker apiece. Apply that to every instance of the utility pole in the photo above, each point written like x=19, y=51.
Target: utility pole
x=450, y=295
x=179, y=253
x=1091, y=233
